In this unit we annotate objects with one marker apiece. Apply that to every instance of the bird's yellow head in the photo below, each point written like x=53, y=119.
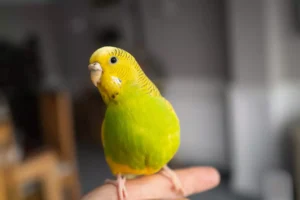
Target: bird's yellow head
x=110, y=68
x=112, y=61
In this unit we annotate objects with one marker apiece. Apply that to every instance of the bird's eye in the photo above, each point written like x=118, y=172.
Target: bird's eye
x=113, y=60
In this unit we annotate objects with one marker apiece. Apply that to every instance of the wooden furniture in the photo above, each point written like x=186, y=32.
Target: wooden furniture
x=8, y=147
x=57, y=126
x=7, y=153
x=56, y=168
x=5, y=132
x=3, y=189
x=41, y=167
x=89, y=111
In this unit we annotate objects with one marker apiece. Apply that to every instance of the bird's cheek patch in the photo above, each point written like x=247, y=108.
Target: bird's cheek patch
x=116, y=80
x=115, y=87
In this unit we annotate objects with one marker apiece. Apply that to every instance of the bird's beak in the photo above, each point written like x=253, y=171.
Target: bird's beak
x=96, y=72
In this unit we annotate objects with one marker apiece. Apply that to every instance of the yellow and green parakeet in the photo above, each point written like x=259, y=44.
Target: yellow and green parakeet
x=140, y=131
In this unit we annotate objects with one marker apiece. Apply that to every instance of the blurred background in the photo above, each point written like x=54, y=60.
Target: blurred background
x=229, y=67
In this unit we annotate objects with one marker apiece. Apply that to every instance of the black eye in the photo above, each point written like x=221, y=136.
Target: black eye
x=113, y=60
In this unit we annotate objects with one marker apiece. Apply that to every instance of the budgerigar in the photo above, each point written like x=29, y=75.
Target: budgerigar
x=141, y=131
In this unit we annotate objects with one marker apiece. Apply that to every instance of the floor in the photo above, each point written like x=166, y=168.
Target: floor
x=94, y=170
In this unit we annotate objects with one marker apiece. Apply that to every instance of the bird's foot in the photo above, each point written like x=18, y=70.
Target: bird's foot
x=171, y=175
x=120, y=185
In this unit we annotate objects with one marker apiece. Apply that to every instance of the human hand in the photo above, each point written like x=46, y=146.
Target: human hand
x=194, y=180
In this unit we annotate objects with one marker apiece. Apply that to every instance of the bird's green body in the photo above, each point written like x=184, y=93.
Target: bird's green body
x=141, y=132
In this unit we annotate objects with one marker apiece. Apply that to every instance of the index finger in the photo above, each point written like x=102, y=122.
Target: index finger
x=194, y=180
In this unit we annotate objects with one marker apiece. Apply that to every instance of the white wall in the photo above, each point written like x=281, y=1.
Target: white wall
x=248, y=103
x=199, y=104
x=263, y=101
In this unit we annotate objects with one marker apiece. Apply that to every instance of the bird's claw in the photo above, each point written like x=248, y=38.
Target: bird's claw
x=170, y=174
x=120, y=185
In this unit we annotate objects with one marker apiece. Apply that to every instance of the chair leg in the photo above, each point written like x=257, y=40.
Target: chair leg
x=13, y=189
x=42, y=167
x=74, y=187
x=3, y=189
x=51, y=184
